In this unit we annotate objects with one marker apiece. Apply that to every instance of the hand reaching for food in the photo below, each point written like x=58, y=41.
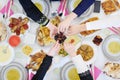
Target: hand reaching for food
x=60, y=37
x=70, y=49
x=54, y=50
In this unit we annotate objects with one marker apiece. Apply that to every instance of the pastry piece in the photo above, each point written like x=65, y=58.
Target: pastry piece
x=97, y=40
x=88, y=32
x=60, y=37
x=3, y=32
x=36, y=60
x=109, y=6
x=116, y=2
x=90, y=20
x=112, y=70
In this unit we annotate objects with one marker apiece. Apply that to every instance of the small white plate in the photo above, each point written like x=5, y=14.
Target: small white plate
x=105, y=44
x=14, y=65
x=94, y=47
x=3, y=54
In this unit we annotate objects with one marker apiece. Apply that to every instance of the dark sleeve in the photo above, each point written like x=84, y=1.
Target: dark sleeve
x=43, y=68
x=86, y=76
x=83, y=6
x=33, y=12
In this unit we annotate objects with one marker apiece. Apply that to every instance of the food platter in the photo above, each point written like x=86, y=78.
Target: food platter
x=64, y=73
x=43, y=5
x=112, y=41
x=18, y=23
x=70, y=7
x=86, y=42
x=6, y=54
x=35, y=60
x=14, y=67
x=3, y=31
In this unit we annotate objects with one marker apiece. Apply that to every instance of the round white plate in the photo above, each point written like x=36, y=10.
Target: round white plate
x=11, y=57
x=17, y=15
x=65, y=69
x=92, y=60
x=14, y=65
x=45, y=5
x=105, y=44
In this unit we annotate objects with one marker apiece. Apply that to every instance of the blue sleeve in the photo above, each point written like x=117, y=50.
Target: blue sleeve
x=83, y=6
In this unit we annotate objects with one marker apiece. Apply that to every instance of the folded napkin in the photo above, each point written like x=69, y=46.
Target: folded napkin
x=31, y=76
x=5, y=9
x=97, y=72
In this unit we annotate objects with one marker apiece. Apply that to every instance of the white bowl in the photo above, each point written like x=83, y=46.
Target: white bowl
x=105, y=44
x=65, y=69
x=14, y=65
x=3, y=54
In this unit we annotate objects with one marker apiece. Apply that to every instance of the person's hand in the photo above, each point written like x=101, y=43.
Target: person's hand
x=55, y=49
x=64, y=25
x=53, y=29
x=70, y=49
x=75, y=29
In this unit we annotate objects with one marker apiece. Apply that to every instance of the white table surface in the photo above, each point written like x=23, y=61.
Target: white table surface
x=58, y=61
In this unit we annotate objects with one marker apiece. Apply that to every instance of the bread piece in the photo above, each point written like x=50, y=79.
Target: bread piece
x=108, y=6
x=112, y=70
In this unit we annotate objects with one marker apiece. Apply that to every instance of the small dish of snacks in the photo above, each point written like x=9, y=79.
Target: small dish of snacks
x=18, y=23
x=60, y=37
x=43, y=36
x=35, y=60
x=87, y=50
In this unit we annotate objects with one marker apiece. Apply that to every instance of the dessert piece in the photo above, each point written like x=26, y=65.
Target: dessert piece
x=60, y=37
x=97, y=40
